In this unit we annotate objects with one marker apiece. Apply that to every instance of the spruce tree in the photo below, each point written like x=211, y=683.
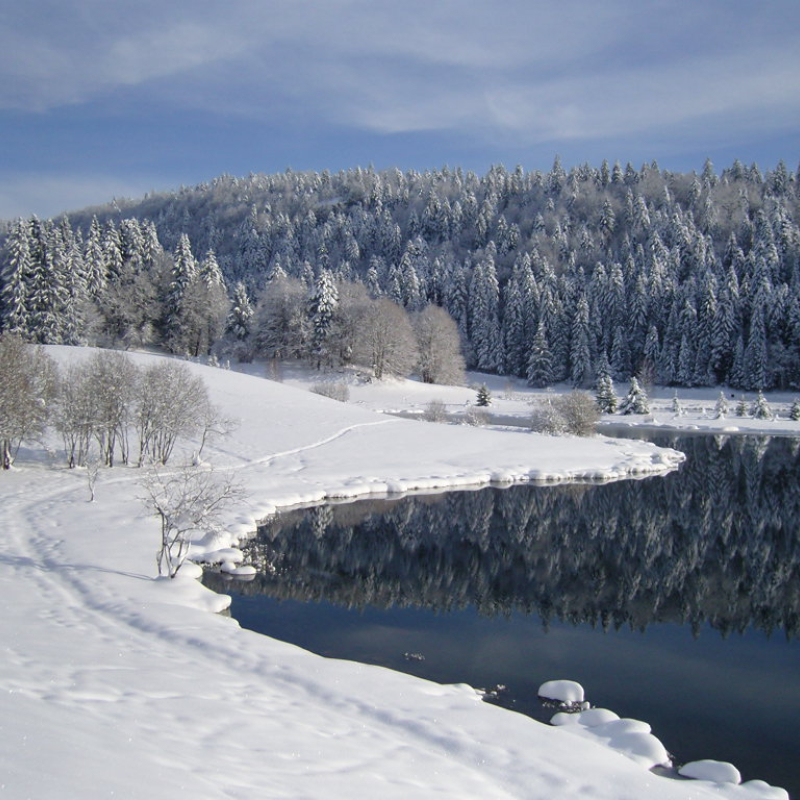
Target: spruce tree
x=761, y=409
x=540, y=360
x=721, y=407
x=636, y=401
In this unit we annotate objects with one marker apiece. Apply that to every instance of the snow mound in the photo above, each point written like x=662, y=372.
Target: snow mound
x=708, y=770
x=630, y=737
x=563, y=691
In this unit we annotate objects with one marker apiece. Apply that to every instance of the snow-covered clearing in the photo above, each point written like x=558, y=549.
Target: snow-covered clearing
x=118, y=685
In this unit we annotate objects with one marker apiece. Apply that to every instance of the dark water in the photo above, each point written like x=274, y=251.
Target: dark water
x=675, y=600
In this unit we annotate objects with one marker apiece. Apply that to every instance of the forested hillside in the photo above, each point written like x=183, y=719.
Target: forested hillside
x=684, y=279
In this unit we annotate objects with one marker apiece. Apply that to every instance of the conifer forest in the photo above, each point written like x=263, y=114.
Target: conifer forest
x=685, y=279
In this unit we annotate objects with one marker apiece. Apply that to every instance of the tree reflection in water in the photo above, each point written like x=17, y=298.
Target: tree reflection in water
x=715, y=543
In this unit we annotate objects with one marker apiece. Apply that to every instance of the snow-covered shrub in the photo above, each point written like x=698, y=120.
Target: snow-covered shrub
x=721, y=407
x=794, y=411
x=335, y=391
x=547, y=418
x=575, y=413
x=435, y=411
x=476, y=417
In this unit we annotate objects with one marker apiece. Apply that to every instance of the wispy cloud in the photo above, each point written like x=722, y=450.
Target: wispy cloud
x=516, y=72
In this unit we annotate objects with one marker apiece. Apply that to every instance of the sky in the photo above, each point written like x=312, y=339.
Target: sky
x=116, y=98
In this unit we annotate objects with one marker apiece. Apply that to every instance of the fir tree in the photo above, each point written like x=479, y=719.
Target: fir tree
x=761, y=409
x=636, y=401
x=322, y=310
x=540, y=360
x=484, y=396
x=604, y=395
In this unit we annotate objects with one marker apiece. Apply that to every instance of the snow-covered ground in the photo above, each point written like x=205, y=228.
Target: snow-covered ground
x=118, y=685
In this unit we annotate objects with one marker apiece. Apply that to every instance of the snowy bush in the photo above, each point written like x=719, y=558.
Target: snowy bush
x=476, y=417
x=794, y=411
x=435, y=411
x=575, y=413
x=335, y=391
x=546, y=418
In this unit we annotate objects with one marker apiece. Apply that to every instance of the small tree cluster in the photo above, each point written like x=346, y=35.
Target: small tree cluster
x=107, y=398
x=101, y=403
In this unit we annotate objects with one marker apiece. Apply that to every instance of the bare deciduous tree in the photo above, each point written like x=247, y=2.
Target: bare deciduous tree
x=187, y=501
x=172, y=402
x=28, y=379
x=439, y=343
x=113, y=381
x=386, y=340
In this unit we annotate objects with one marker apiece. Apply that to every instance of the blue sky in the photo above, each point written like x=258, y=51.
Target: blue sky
x=105, y=98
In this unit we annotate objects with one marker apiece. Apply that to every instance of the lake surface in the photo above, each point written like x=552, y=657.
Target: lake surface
x=675, y=600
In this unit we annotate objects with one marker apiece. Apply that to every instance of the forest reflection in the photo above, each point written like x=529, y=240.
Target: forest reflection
x=716, y=542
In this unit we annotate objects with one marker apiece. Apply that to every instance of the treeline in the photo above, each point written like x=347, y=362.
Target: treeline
x=104, y=408
x=679, y=278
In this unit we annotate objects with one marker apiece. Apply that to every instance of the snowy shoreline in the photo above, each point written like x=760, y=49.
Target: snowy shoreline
x=157, y=696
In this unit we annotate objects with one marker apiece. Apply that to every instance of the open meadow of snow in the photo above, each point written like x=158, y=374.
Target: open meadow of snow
x=115, y=684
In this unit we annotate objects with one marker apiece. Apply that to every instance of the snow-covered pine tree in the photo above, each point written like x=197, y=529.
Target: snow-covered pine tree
x=322, y=309
x=484, y=323
x=580, y=352
x=540, y=360
x=14, y=281
x=761, y=408
x=636, y=401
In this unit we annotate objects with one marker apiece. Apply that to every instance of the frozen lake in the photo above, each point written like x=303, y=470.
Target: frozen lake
x=675, y=600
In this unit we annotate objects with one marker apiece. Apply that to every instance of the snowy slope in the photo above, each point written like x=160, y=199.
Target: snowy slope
x=119, y=685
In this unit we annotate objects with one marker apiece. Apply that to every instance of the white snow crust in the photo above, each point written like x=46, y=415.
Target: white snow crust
x=117, y=685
